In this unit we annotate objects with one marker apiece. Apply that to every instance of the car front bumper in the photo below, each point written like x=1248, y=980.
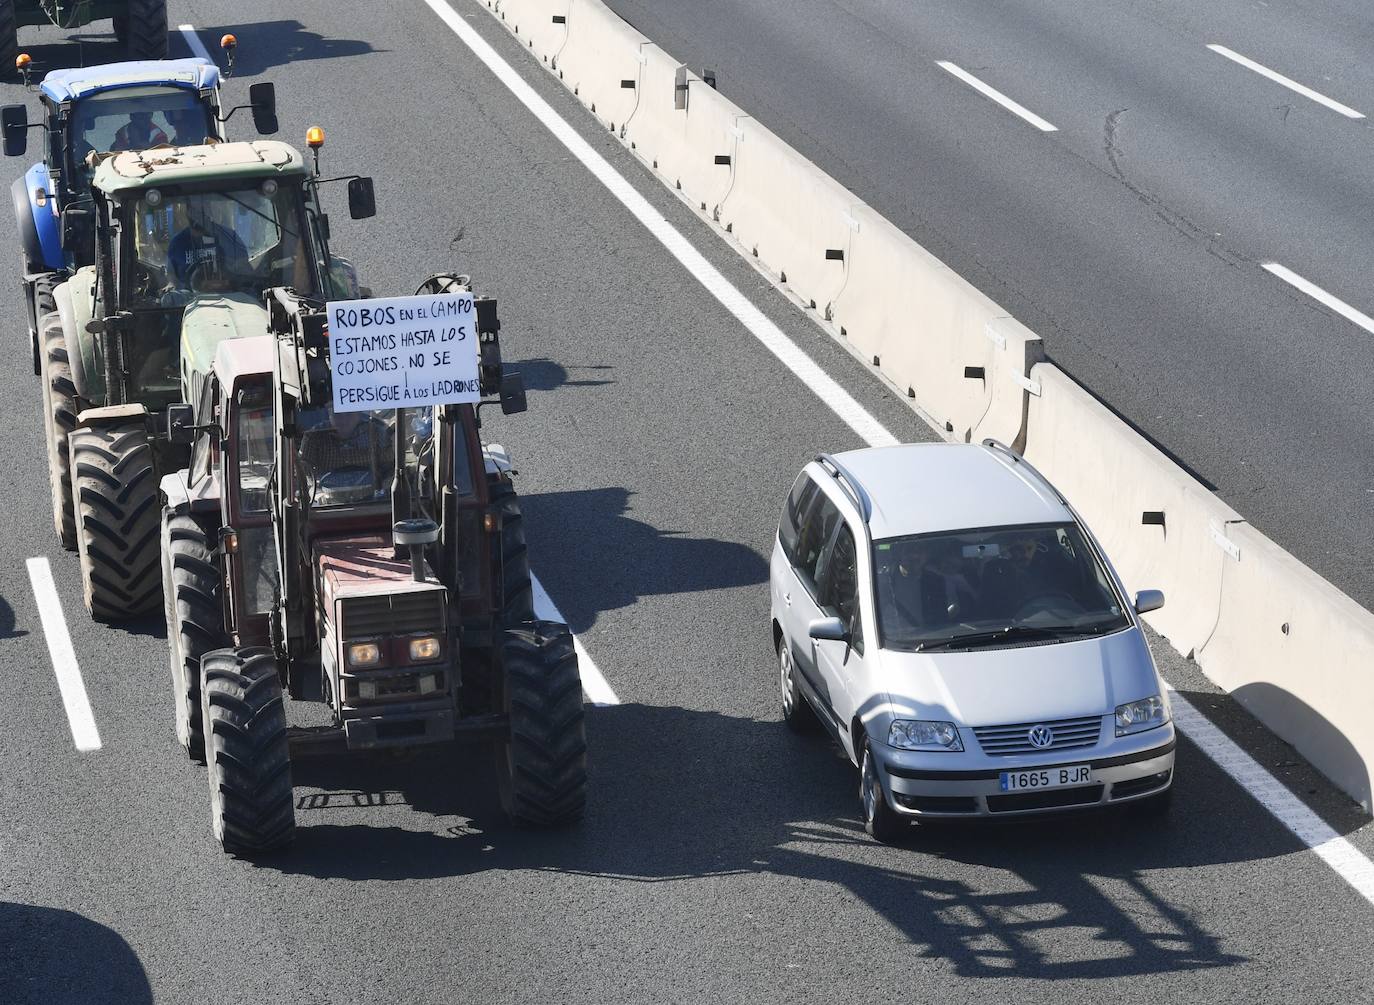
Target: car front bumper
x=930, y=785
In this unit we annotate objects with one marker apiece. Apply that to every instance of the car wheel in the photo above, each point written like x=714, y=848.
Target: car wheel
x=796, y=710
x=880, y=819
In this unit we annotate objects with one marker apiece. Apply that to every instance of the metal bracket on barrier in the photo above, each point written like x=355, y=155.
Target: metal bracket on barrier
x=851, y=221
x=737, y=132
x=1025, y=383
x=995, y=337
x=1219, y=538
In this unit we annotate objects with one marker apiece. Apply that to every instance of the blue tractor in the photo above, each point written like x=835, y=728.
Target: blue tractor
x=92, y=110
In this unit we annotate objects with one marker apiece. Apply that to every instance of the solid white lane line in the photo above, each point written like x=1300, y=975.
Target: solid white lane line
x=69, y=682
x=1292, y=85
x=825, y=387
x=1320, y=295
x=996, y=95
x=1343, y=857
x=188, y=32
x=593, y=683
x=1339, y=854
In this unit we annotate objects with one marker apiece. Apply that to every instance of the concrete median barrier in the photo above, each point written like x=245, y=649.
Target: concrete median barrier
x=542, y=25
x=1162, y=529
x=1300, y=655
x=603, y=62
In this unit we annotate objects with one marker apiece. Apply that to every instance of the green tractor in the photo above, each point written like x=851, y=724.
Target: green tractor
x=188, y=239
x=140, y=24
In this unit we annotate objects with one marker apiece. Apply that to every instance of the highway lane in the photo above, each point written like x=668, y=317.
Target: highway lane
x=1131, y=238
x=721, y=859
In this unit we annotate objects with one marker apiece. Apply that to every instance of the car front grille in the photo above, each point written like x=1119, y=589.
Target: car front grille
x=1069, y=734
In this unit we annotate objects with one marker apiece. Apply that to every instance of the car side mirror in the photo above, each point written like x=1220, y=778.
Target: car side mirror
x=512, y=393
x=262, y=97
x=828, y=630
x=14, y=120
x=1148, y=600
x=362, y=201
x=181, y=428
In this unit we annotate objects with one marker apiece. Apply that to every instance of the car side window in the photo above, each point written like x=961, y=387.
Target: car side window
x=799, y=500
x=818, y=525
x=839, y=594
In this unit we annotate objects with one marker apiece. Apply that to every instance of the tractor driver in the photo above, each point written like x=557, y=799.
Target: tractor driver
x=348, y=456
x=202, y=249
x=139, y=134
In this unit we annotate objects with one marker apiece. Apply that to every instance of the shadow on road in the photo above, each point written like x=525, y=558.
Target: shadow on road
x=7, y=621
x=544, y=374
x=679, y=795
x=54, y=957
x=265, y=44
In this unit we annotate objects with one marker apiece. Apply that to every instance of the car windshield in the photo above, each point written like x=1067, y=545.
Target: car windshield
x=346, y=458
x=983, y=587
x=135, y=118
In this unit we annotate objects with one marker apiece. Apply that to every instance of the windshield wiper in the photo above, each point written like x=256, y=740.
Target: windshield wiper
x=1009, y=633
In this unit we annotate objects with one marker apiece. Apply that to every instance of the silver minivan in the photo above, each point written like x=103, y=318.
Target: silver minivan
x=942, y=611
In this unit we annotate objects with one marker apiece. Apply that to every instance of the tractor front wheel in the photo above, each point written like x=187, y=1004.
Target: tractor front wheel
x=513, y=564
x=145, y=29
x=246, y=751
x=195, y=620
x=114, y=481
x=543, y=762
x=59, y=419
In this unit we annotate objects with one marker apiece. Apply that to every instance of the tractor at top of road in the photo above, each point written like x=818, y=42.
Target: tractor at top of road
x=140, y=24
x=187, y=240
x=374, y=561
x=118, y=106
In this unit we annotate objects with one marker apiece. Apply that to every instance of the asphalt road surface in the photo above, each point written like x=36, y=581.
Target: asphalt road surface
x=1133, y=237
x=721, y=858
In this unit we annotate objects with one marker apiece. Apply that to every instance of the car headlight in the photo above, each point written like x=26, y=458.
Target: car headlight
x=918, y=734
x=1138, y=716
x=364, y=654
x=424, y=649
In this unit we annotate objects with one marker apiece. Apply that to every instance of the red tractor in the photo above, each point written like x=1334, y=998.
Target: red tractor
x=371, y=561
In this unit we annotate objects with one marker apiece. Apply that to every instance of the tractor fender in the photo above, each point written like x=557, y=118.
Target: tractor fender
x=497, y=459
x=111, y=415
x=181, y=498
x=73, y=300
x=40, y=233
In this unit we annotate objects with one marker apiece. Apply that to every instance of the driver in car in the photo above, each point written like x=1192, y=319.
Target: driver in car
x=202, y=249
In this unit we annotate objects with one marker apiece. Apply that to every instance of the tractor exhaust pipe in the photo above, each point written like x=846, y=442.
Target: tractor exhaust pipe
x=415, y=535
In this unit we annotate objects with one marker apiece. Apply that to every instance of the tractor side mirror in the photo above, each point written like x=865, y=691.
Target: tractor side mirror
x=14, y=120
x=262, y=98
x=512, y=394
x=362, y=201
x=181, y=428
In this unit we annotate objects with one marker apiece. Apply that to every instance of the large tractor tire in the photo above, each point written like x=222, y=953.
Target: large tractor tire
x=195, y=619
x=44, y=303
x=246, y=751
x=9, y=38
x=59, y=419
x=517, y=589
x=114, y=481
x=145, y=30
x=543, y=763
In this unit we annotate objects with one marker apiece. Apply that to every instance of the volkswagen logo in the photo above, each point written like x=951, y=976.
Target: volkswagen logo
x=1040, y=736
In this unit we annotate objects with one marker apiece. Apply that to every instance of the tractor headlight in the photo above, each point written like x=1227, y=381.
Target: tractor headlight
x=1138, y=716
x=364, y=654
x=424, y=649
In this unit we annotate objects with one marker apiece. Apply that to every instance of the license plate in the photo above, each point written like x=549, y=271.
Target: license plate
x=1046, y=778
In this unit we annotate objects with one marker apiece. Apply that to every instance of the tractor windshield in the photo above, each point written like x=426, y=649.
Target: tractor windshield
x=135, y=118
x=346, y=458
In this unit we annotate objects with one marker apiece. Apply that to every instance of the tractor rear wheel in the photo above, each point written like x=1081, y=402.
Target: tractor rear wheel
x=9, y=37
x=543, y=763
x=59, y=419
x=145, y=33
x=195, y=620
x=246, y=751
x=513, y=564
x=114, y=481
x=121, y=27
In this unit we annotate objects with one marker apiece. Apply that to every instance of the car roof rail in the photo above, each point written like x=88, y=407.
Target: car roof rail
x=848, y=483
x=997, y=446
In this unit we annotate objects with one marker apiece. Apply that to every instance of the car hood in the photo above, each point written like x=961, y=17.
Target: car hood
x=1021, y=683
